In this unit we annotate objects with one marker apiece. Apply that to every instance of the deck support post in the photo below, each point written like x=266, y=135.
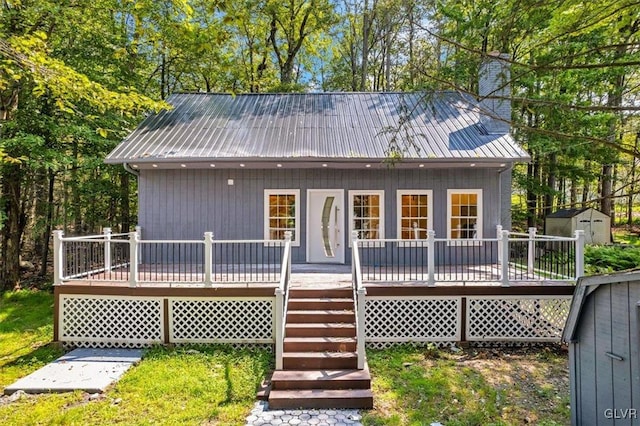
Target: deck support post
x=531, y=251
x=579, y=253
x=431, y=257
x=279, y=320
x=107, y=248
x=503, y=242
x=208, y=259
x=134, y=258
x=57, y=257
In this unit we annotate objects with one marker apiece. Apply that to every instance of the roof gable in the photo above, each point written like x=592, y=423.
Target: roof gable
x=206, y=127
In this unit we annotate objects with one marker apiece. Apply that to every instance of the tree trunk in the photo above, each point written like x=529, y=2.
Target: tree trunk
x=632, y=186
x=46, y=234
x=551, y=185
x=606, y=190
x=125, y=211
x=364, y=64
x=532, y=198
x=573, y=193
x=12, y=232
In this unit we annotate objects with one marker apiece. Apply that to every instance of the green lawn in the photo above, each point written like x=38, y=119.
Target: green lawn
x=189, y=385
x=208, y=385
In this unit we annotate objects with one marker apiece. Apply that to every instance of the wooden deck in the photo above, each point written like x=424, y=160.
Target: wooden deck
x=307, y=275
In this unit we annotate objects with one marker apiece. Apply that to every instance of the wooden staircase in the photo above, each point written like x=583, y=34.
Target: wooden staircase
x=320, y=359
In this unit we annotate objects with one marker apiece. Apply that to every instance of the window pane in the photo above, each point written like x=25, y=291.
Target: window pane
x=282, y=215
x=464, y=215
x=366, y=215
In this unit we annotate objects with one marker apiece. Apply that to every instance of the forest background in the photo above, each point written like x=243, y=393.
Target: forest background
x=77, y=75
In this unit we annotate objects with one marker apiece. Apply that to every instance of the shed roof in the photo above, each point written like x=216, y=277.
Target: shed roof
x=586, y=286
x=356, y=126
x=569, y=213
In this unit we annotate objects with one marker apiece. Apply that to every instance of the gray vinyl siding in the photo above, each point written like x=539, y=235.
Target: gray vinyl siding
x=608, y=322
x=183, y=204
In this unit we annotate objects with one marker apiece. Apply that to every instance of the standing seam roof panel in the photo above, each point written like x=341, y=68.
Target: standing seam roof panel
x=336, y=125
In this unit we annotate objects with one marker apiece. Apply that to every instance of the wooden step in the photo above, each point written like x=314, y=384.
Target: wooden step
x=320, y=344
x=320, y=379
x=319, y=360
x=320, y=329
x=315, y=316
x=320, y=303
x=304, y=293
x=321, y=398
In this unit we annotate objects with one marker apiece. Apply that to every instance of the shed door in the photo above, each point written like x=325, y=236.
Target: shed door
x=325, y=222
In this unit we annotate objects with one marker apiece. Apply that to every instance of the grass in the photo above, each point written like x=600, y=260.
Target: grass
x=627, y=235
x=414, y=386
x=25, y=334
x=208, y=385
x=186, y=385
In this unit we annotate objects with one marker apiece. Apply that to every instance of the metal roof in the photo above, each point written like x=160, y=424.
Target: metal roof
x=289, y=127
x=569, y=213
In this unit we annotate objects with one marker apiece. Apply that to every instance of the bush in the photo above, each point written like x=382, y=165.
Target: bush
x=607, y=259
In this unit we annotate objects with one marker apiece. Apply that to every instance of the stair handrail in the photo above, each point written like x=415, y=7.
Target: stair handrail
x=282, y=300
x=359, y=295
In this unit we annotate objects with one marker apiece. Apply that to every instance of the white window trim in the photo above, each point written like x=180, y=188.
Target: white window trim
x=399, y=194
x=296, y=192
x=479, y=226
x=351, y=194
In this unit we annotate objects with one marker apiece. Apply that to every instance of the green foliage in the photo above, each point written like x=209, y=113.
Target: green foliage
x=608, y=259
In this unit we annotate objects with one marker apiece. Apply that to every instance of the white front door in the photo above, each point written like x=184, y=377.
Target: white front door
x=325, y=222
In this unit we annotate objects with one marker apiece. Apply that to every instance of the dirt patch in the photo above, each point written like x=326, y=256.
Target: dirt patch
x=532, y=383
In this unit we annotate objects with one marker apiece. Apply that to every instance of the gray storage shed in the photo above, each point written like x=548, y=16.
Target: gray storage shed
x=565, y=222
x=602, y=332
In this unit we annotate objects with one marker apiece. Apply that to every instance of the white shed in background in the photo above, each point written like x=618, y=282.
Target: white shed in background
x=595, y=224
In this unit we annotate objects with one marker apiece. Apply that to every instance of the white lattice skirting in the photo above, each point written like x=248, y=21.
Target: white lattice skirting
x=221, y=320
x=414, y=319
x=127, y=321
x=514, y=318
x=422, y=319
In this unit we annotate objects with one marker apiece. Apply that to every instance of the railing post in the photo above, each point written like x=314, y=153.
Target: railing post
x=57, y=257
x=208, y=259
x=107, y=248
x=134, y=258
x=279, y=314
x=531, y=251
x=354, y=240
x=503, y=244
x=431, y=257
x=288, y=235
x=360, y=303
x=138, y=230
x=498, y=233
x=579, y=253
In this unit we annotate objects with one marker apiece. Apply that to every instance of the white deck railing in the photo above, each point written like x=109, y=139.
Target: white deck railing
x=282, y=301
x=359, y=295
x=128, y=258
x=507, y=258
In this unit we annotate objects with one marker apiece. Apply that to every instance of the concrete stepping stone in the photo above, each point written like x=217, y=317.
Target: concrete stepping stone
x=89, y=370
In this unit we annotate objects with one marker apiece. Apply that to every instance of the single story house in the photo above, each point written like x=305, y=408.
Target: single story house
x=565, y=222
x=253, y=166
